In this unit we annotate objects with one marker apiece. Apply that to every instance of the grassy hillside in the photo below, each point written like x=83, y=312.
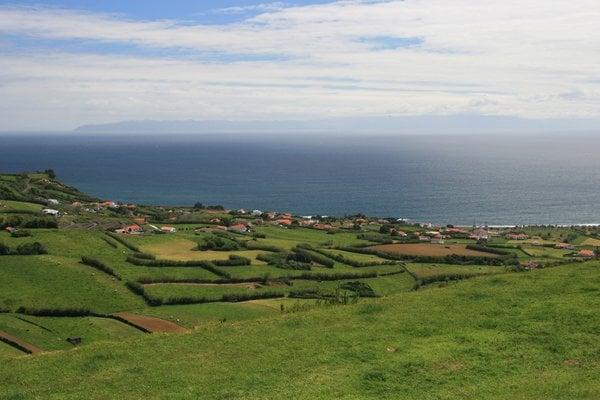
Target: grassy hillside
x=284, y=310
x=521, y=336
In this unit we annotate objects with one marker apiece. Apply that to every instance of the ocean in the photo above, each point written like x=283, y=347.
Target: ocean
x=455, y=179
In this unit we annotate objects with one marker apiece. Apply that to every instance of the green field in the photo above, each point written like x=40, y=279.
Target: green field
x=480, y=324
x=509, y=336
x=59, y=282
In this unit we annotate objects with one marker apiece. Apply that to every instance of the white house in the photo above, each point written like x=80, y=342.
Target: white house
x=49, y=211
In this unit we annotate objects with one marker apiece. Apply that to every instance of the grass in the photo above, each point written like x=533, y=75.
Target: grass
x=183, y=250
x=7, y=351
x=59, y=282
x=50, y=333
x=427, y=249
x=428, y=270
x=13, y=206
x=528, y=336
x=192, y=315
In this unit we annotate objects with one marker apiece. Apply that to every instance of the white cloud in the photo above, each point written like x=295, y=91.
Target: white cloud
x=262, y=7
x=532, y=59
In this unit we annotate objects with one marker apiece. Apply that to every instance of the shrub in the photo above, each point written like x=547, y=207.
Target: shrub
x=234, y=260
x=27, y=249
x=20, y=233
x=99, y=266
x=124, y=242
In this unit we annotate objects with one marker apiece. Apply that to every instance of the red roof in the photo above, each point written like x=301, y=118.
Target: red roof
x=238, y=227
x=586, y=253
x=285, y=221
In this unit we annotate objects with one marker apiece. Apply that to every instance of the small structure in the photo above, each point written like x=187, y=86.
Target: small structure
x=52, y=202
x=516, y=236
x=437, y=240
x=586, y=253
x=50, y=211
x=239, y=228
x=74, y=340
x=168, y=229
x=132, y=229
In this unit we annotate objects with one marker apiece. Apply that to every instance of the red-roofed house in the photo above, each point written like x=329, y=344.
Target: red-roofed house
x=322, y=226
x=284, y=221
x=129, y=229
x=239, y=228
x=168, y=229
x=586, y=253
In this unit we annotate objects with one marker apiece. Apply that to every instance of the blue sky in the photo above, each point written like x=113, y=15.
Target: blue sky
x=68, y=63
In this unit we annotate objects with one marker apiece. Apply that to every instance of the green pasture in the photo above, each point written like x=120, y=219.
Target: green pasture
x=51, y=333
x=199, y=315
x=527, y=336
x=14, y=206
x=60, y=282
x=426, y=270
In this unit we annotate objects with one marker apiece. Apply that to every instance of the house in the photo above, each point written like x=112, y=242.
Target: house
x=481, y=233
x=586, y=253
x=437, y=240
x=168, y=229
x=76, y=204
x=257, y=213
x=284, y=222
x=567, y=246
x=423, y=238
x=140, y=220
x=52, y=202
x=239, y=228
x=9, y=229
x=322, y=226
x=50, y=211
x=131, y=229
x=516, y=236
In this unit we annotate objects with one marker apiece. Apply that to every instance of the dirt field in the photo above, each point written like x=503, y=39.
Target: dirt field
x=150, y=324
x=427, y=249
x=18, y=343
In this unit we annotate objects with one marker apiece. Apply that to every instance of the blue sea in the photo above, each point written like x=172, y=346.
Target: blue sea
x=458, y=179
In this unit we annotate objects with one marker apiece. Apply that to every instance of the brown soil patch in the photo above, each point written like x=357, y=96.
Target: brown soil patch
x=18, y=343
x=149, y=324
x=428, y=249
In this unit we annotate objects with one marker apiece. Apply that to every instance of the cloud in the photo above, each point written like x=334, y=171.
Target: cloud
x=263, y=7
x=344, y=58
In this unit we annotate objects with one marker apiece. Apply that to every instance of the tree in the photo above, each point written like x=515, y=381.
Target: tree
x=50, y=173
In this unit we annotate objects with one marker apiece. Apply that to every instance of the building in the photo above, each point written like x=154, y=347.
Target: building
x=50, y=211
x=239, y=228
x=168, y=229
x=131, y=229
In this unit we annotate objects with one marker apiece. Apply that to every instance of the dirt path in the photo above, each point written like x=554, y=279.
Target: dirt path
x=18, y=343
x=149, y=324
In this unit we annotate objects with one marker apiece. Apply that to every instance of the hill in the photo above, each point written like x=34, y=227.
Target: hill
x=530, y=336
x=130, y=301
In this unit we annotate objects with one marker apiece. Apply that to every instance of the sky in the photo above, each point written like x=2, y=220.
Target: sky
x=73, y=62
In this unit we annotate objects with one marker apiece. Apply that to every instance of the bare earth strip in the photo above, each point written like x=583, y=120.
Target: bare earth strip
x=149, y=324
x=18, y=343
